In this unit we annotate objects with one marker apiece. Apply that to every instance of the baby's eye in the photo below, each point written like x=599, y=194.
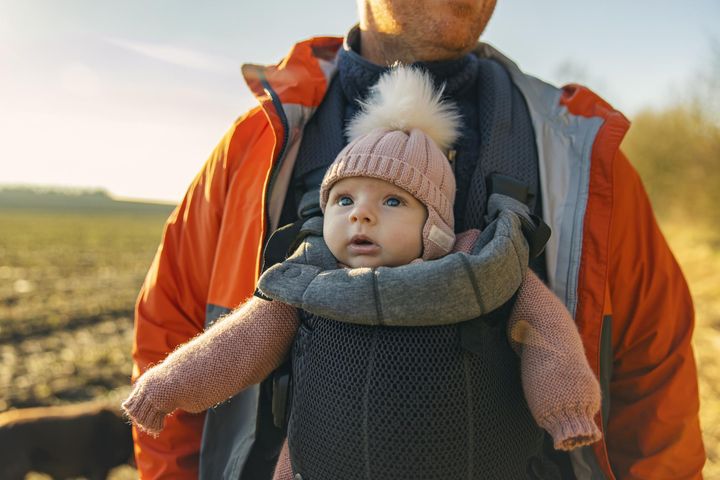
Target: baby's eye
x=393, y=202
x=344, y=201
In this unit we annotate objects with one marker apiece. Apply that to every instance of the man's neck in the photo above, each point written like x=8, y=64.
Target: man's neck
x=385, y=50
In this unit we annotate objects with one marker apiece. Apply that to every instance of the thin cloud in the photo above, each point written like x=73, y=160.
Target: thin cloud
x=183, y=57
x=80, y=80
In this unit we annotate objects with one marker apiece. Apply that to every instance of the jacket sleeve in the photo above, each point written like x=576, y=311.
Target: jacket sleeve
x=653, y=429
x=170, y=308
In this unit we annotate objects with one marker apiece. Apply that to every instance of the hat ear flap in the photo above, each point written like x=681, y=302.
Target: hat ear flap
x=438, y=237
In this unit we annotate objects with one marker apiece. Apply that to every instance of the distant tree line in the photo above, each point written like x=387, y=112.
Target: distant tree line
x=19, y=197
x=676, y=150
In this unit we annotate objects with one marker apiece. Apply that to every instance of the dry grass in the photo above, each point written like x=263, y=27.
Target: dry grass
x=697, y=249
x=68, y=282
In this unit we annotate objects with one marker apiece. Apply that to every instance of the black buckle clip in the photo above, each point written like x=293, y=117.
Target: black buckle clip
x=536, y=231
x=282, y=395
x=537, y=234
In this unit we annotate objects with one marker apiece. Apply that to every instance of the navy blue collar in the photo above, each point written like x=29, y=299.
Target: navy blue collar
x=357, y=74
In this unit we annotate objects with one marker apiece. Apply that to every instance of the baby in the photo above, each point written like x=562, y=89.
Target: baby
x=387, y=202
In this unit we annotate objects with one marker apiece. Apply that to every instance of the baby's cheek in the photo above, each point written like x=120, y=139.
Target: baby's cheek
x=418, y=246
x=333, y=239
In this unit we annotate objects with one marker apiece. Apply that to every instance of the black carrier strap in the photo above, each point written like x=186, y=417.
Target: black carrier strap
x=281, y=244
x=536, y=231
x=283, y=241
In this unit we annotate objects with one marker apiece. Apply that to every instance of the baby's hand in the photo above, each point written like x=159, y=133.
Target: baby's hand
x=141, y=405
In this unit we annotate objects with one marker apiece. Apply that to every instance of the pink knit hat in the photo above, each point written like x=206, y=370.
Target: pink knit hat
x=399, y=137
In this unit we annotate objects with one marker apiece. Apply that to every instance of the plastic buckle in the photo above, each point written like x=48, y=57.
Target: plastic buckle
x=537, y=233
x=281, y=395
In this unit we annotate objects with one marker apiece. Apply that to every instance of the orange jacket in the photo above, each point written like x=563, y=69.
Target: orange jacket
x=608, y=262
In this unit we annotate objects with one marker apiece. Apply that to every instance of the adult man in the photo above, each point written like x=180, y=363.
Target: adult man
x=606, y=260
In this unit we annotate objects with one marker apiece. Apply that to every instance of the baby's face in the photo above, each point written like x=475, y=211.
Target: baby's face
x=372, y=223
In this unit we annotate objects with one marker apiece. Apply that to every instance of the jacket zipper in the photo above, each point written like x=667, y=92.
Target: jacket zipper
x=275, y=169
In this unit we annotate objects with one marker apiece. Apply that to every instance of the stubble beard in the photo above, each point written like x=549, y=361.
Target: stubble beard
x=428, y=38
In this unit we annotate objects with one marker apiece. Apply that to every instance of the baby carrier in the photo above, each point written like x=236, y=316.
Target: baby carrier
x=407, y=402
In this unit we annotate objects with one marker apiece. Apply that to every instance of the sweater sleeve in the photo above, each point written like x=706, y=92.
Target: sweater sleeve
x=238, y=351
x=283, y=469
x=560, y=388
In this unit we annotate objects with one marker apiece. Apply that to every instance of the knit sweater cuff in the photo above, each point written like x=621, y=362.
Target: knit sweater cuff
x=143, y=413
x=571, y=429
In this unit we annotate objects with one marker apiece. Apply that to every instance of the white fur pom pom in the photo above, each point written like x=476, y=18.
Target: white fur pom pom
x=403, y=99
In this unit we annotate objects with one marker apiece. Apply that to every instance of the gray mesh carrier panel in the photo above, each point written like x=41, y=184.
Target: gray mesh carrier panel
x=408, y=403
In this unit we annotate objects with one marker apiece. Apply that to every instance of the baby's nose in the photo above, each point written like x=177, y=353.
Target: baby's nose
x=361, y=214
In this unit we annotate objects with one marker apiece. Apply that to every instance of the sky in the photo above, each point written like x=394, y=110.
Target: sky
x=132, y=96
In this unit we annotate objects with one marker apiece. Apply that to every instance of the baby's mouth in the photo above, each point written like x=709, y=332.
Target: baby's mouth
x=362, y=245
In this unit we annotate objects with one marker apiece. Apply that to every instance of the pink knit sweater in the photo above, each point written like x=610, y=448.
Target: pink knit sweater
x=244, y=347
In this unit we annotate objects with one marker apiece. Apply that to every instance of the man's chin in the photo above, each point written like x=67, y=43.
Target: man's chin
x=447, y=48
x=458, y=44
